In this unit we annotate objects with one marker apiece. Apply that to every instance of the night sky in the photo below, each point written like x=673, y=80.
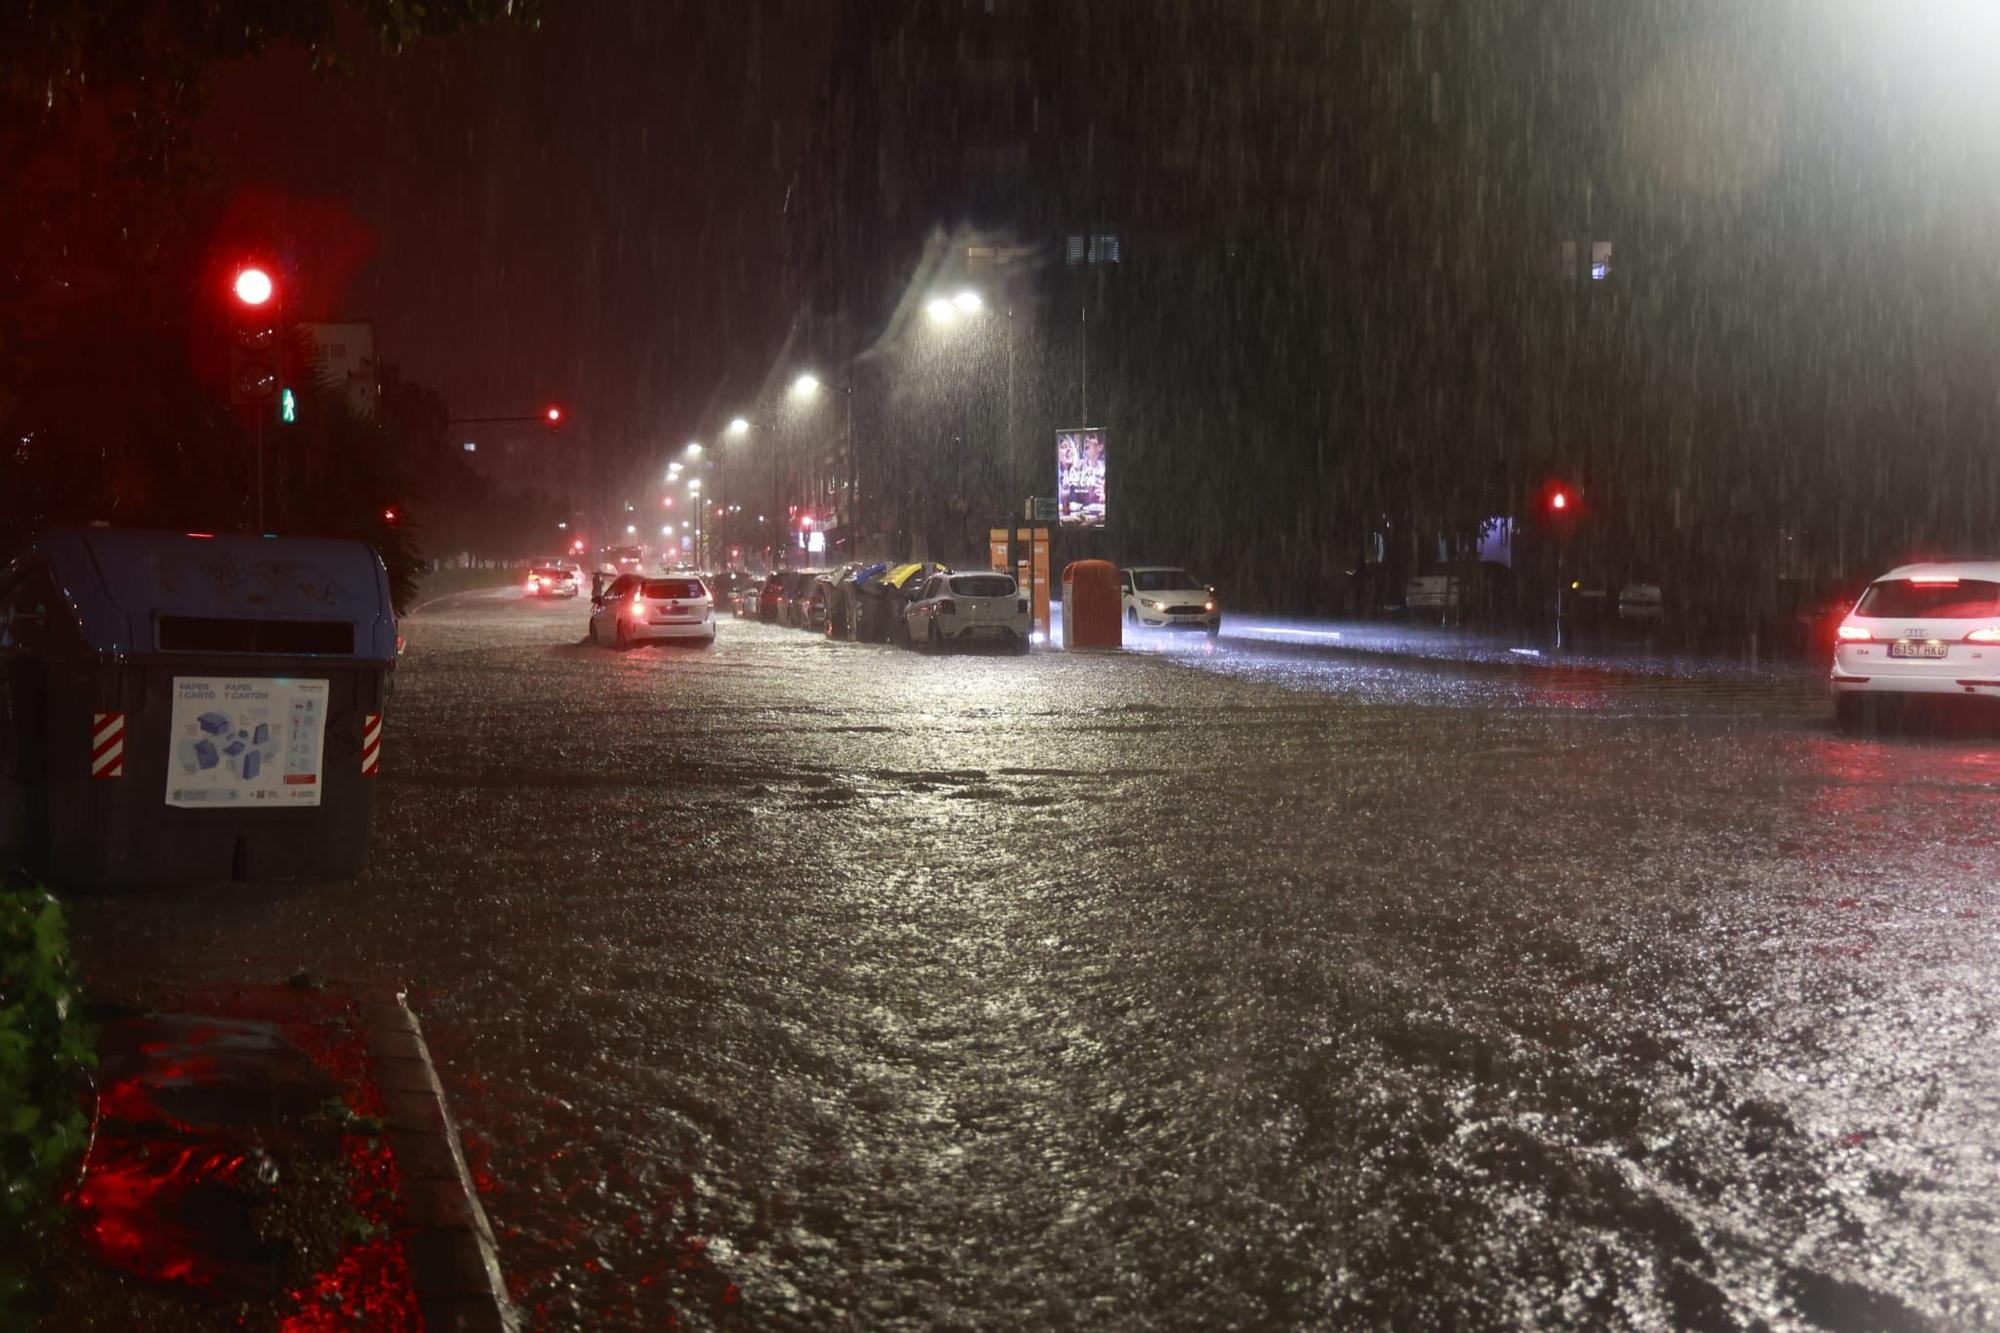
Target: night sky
x=587, y=213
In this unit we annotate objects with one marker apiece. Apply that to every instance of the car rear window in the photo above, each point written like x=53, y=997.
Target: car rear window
x=1936, y=599
x=551, y=573
x=983, y=585
x=657, y=588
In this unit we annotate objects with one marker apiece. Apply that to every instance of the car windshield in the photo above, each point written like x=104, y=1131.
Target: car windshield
x=674, y=589
x=983, y=585
x=1163, y=580
x=1935, y=599
x=551, y=573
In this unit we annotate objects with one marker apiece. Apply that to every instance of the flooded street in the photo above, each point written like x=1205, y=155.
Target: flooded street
x=803, y=984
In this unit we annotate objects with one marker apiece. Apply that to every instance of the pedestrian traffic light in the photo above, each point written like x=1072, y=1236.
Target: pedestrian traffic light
x=288, y=407
x=255, y=353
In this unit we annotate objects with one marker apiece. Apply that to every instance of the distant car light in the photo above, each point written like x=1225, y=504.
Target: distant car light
x=1934, y=583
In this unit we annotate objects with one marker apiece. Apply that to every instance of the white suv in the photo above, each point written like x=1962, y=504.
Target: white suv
x=964, y=608
x=1921, y=629
x=635, y=609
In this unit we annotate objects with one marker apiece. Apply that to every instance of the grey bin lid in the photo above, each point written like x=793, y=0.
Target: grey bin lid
x=128, y=584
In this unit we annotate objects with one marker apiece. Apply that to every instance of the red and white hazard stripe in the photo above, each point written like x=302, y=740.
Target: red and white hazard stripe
x=107, y=745
x=371, y=744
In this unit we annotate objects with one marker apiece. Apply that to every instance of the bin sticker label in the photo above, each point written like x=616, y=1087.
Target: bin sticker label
x=246, y=742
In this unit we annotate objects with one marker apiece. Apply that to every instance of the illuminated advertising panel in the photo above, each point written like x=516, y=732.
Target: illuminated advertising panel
x=1080, y=477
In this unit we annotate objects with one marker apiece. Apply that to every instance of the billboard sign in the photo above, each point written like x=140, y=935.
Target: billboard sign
x=1080, y=477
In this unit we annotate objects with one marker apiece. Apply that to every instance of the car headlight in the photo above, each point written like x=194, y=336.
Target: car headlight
x=1149, y=603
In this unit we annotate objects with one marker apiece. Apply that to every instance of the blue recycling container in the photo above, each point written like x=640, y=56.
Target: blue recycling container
x=188, y=708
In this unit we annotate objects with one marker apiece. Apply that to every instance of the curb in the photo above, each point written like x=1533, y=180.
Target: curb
x=454, y=1262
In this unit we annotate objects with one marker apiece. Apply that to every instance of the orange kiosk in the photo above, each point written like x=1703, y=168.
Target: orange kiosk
x=1091, y=616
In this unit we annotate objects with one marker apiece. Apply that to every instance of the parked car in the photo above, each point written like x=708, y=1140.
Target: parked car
x=634, y=609
x=1168, y=596
x=1929, y=629
x=771, y=598
x=955, y=609
x=551, y=581
x=799, y=584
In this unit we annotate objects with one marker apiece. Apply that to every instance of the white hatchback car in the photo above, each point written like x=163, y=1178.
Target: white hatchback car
x=1920, y=629
x=967, y=608
x=635, y=609
x=1159, y=595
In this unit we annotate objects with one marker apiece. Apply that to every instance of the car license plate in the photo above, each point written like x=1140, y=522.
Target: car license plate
x=1906, y=648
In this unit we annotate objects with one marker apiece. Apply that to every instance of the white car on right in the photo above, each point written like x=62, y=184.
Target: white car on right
x=1930, y=629
x=1167, y=595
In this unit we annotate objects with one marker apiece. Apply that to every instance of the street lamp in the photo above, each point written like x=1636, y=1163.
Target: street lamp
x=969, y=301
x=805, y=386
x=694, y=449
x=738, y=426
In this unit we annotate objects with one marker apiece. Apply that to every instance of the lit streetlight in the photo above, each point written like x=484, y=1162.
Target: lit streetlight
x=694, y=449
x=805, y=386
x=738, y=426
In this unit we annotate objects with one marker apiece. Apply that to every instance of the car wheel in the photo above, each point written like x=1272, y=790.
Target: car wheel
x=935, y=643
x=1022, y=643
x=624, y=638
x=1215, y=630
x=1132, y=616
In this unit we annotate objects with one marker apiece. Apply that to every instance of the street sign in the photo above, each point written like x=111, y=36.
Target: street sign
x=1042, y=509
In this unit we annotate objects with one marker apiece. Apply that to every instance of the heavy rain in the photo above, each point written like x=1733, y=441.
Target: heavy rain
x=999, y=664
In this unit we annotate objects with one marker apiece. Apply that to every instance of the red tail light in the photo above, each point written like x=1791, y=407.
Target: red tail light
x=1855, y=634
x=947, y=608
x=531, y=585
x=1990, y=634
x=638, y=606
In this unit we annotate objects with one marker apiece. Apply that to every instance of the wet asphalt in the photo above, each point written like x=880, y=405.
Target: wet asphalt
x=800, y=984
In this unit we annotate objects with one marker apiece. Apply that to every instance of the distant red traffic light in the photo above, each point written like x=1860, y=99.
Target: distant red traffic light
x=554, y=415
x=1560, y=500
x=253, y=286
x=391, y=514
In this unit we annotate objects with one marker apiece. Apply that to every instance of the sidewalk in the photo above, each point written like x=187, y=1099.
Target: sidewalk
x=1489, y=652
x=274, y=1157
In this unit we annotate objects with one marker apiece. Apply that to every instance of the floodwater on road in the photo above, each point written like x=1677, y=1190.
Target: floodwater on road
x=791, y=983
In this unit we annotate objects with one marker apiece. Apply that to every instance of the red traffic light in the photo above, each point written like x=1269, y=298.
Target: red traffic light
x=253, y=286
x=391, y=514
x=1559, y=501
x=805, y=520
x=553, y=415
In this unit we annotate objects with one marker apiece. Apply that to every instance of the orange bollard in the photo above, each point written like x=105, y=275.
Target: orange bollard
x=1091, y=605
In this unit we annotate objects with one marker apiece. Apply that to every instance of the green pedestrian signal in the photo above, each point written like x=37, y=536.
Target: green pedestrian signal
x=288, y=407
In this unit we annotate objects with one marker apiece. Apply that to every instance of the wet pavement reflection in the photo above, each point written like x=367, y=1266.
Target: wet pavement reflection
x=801, y=984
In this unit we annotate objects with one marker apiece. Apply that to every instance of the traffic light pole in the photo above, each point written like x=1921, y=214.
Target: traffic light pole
x=257, y=443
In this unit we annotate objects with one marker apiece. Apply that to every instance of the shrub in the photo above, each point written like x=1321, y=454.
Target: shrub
x=44, y=1047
